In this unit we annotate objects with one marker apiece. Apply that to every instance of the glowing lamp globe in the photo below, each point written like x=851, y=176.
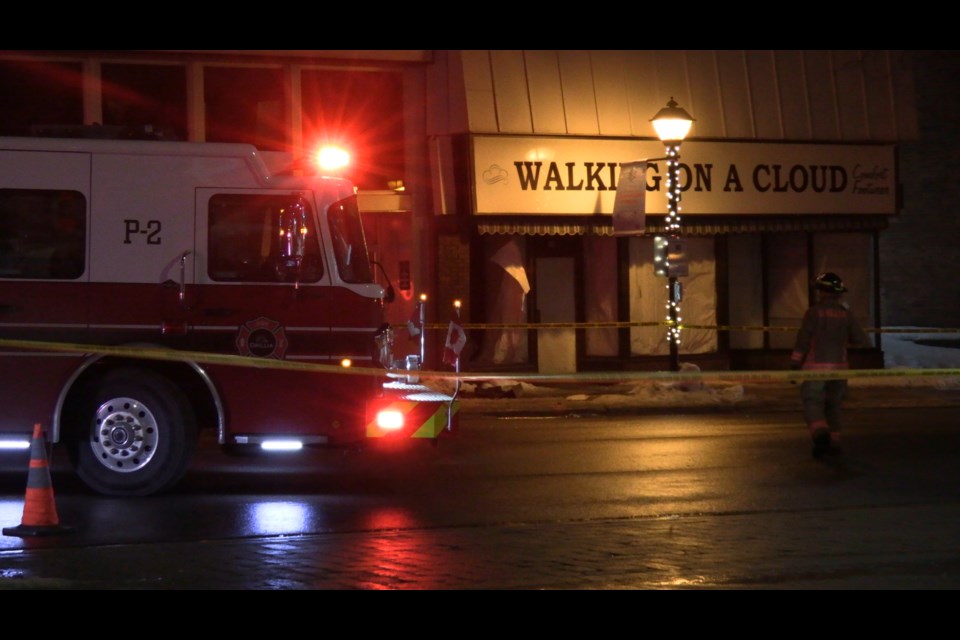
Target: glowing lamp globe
x=672, y=123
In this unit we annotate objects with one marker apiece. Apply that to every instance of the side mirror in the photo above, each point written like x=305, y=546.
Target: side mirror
x=389, y=295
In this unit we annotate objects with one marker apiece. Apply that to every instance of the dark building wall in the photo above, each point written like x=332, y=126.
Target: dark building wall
x=453, y=282
x=920, y=252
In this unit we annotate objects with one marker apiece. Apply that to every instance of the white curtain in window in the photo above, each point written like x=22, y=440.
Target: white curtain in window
x=600, y=297
x=649, y=297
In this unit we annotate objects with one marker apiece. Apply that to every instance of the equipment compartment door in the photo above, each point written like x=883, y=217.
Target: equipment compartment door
x=44, y=293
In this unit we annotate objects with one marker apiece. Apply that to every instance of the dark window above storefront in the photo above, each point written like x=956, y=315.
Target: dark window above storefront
x=245, y=104
x=35, y=95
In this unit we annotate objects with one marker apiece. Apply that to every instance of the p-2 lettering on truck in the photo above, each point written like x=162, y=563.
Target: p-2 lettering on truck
x=135, y=247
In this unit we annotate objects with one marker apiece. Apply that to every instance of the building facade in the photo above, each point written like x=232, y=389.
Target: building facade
x=489, y=176
x=790, y=170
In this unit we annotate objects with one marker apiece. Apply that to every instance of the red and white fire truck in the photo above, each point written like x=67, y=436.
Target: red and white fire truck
x=153, y=289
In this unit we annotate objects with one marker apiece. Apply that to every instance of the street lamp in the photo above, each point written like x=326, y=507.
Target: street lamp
x=672, y=124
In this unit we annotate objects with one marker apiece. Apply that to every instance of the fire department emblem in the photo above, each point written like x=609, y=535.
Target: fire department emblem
x=262, y=338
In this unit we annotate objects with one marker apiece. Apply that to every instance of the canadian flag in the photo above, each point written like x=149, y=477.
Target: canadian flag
x=456, y=339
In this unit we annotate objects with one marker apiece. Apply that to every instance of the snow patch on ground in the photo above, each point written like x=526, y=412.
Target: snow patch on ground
x=902, y=350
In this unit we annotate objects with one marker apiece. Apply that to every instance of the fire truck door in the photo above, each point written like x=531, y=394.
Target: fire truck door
x=248, y=300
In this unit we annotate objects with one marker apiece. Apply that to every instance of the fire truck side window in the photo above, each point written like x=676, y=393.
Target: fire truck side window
x=349, y=243
x=43, y=234
x=246, y=240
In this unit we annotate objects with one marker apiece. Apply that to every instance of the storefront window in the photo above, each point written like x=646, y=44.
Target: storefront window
x=788, y=285
x=507, y=286
x=745, y=289
x=649, y=296
x=600, y=295
x=849, y=255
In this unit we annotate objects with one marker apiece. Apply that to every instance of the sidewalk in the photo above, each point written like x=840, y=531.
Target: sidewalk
x=517, y=397
x=910, y=353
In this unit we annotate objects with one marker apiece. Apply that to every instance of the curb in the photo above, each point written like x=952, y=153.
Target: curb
x=624, y=399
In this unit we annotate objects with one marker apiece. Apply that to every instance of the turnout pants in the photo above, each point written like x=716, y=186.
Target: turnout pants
x=822, y=401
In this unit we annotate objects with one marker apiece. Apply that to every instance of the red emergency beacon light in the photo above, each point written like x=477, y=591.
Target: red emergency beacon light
x=331, y=159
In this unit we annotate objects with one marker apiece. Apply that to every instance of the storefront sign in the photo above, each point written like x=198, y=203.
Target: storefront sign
x=575, y=176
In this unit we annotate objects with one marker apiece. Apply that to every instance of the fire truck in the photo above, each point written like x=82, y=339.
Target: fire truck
x=150, y=290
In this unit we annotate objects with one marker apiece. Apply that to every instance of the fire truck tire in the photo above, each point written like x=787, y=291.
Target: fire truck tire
x=137, y=434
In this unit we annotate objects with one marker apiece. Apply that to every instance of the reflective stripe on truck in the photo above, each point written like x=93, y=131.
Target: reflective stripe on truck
x=425, y=416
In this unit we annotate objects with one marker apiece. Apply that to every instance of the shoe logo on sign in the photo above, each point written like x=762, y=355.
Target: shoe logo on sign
x=262, y=338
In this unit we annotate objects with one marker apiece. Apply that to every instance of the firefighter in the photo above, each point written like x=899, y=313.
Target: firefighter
x=827, y=330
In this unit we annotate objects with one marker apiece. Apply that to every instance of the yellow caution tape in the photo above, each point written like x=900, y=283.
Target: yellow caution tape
x=590, y=376
x=665, y=323
x=187, y=356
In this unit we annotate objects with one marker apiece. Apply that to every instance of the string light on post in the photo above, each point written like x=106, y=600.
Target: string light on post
x=672, y=124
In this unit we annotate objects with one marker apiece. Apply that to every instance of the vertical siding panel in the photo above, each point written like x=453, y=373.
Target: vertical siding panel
x=792, y=95
x=851, y=102
x=705, y=103
x=442, y=89
x=446, y=108
x=546, y=96
x=878, y=93
x=904, y=92
x=736, y=94
x=510, y=92
x=672, y=80
x=610, y=83
x=761, y=74
x=640, y=74
x=824, y=118
x=478, y=84
x=579, y=101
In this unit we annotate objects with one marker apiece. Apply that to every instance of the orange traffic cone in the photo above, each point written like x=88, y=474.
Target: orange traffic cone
x=39, y=508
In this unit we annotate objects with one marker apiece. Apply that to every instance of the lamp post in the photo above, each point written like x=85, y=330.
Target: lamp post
x=672, y=124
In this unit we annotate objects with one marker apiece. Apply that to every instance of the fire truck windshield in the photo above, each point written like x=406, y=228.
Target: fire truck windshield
x=349, y=243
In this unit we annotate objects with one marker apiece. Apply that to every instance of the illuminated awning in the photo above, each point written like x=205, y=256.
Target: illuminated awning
x=699, y=226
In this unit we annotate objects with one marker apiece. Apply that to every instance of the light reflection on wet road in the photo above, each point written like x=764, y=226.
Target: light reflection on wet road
x=721, y=477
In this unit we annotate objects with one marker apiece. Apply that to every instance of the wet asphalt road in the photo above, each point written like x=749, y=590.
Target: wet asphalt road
x=667, y=500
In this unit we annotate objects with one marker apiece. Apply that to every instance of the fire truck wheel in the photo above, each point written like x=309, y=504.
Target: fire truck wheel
x=136, y=435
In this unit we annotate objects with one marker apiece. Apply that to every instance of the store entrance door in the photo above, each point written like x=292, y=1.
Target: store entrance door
x=556, y=348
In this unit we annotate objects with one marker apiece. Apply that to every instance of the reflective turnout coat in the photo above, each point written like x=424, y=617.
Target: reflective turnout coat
x=828, y=328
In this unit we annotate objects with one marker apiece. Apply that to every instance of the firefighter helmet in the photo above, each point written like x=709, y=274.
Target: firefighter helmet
x=830, y=282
